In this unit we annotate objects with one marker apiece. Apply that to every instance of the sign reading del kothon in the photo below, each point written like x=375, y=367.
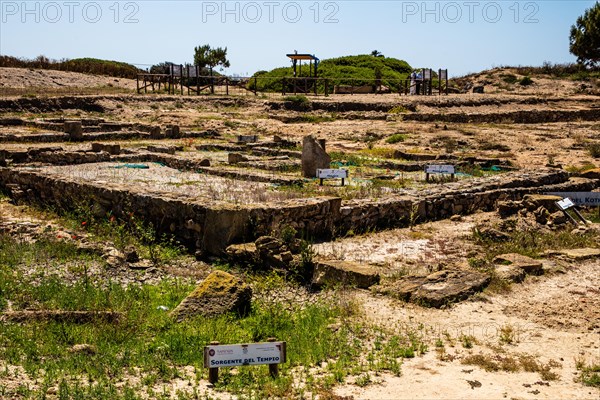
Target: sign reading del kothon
x=217, y=356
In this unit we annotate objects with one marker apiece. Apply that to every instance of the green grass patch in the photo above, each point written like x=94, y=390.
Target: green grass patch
x=147, y=348
x=589, y=373
x=533, y=243
x=396, y=138
x=526, y=81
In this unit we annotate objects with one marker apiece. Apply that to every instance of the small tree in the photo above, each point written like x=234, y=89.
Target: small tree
x=584, y=41
x=205, y=56
x=376, y=53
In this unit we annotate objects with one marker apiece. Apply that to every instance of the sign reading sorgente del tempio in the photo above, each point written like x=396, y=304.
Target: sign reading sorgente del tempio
x=217, y=356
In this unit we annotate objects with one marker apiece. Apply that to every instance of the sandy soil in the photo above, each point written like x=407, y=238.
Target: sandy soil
x=25, y=77
x=429, y=377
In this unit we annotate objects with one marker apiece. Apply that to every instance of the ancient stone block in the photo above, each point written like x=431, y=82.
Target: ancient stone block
x=591, y=173
x=162, y=149
x=219, y=293
x=74, y=129
x=510, y=273
x=437, y=289
x=155, y=132
x=335, y=272
x=234, y=158
x=227, y=225
x=313, y=156
x=172, y=131
x=527, y=264
x=581, y=254
x=112, y=149
x=534, y=201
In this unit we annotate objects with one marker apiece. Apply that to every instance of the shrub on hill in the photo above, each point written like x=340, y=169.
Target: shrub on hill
x=348, y=70
x=84, y=65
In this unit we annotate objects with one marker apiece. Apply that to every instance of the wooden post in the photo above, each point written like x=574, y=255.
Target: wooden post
x=213, y=373
x=446, y=82
x=181, y=77
x=576, y=211
x=342, y=181
x=197, y=80
x=227, y=86
x=273, y=368
x=137, y=83
x=321, y=182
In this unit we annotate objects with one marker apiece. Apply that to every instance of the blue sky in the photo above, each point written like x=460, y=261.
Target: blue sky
x=463, y=36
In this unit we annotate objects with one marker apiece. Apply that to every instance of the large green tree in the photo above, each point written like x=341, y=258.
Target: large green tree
x=205, y=56
x=585, y=37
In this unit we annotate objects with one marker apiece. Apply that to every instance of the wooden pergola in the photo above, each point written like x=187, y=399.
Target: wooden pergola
x=297, y=64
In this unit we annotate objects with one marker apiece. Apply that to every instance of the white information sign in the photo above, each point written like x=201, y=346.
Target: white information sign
x=580, y=198
x=332, y=173
x=439, y=169
x=191, y=71
x=247, y=138
x=443, y=74
x=176, y=70
x=565, y=203
x=217, y=356
x=427, y=74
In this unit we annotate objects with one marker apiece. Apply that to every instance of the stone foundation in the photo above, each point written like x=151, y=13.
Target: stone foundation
x=211, y=227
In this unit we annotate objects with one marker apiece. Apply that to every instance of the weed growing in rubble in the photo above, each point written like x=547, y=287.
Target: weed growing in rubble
x=534, y=243
x=128, y=230
x=589, y=374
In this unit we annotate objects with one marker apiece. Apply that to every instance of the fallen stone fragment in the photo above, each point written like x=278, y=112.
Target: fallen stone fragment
x=438, y=289
x=335, y=272
x=534, y=201
x=510, y=273
x=527, y=264
x=581, y=254
x=591, y=173
x=234, y=158
x=219, y=293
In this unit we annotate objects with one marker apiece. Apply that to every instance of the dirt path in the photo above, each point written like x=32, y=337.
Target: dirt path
x=533, y=310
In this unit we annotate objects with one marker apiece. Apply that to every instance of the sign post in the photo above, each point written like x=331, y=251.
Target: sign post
x=216, y=356
x=439, y=169
x=331, y=174
x=564, y=205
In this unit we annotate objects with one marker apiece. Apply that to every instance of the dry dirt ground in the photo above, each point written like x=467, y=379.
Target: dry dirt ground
x=45, y=78
x=553, y=318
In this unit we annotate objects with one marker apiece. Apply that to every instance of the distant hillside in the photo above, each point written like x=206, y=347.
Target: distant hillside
x=84, y=65
x=357, y=70
x=547, y=79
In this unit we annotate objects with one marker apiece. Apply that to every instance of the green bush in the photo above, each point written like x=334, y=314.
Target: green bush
x=84, y=65
x=395, y=138
x=594, y=149
x=526, y=81
x=348, y=70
